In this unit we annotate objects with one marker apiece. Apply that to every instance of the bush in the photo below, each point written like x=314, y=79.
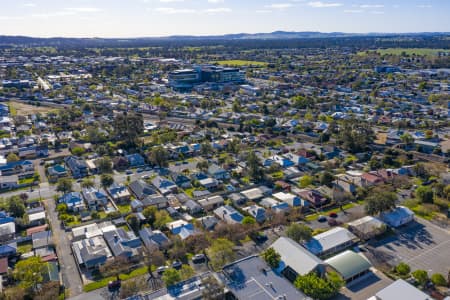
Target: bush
x=438, y=279
x=421, y=276
x=402, y=269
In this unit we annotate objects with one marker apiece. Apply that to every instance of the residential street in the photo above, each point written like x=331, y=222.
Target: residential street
x=69, y=272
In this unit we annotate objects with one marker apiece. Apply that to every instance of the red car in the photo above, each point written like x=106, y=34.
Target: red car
x=333, y=215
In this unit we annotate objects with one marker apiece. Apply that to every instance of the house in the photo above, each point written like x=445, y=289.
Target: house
x=8, y=250
x=369, y=179
x=275, y=205
x=119, y=193
x=367, y=227
x=164, y=186
x=141, y=189
x=3, y=266
x=296, y=260
x=257, y=193
x=257, y=212
x=237, y=199
x=23, y=168
x=36, y=229
x=154, y=238
x=252, y=278
x=42, y=239
x=155, y=200
x=330, y=242
x=122, y=243
x=217, y=172
x=193, y=207
x=290, y=199
x=7, y=231
x=228, y=214
x=209, y=222
x=211, y=203
x=73, y=200
x=350, y=265
x=77, y=166
x=182, y=228
x=312, y=196
x=136, y=205
x=209, y=183
x=399, y=216
x=181, y=180
x=95, y=198
x=400, y=289
x=135, y=160
x=36, y=216
x=91, y=252
x=55, y=172
x=9, y=182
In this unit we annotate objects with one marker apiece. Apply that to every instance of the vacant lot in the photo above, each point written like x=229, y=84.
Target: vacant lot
x=240, y=63
x=421, y=245
x=409, y=51
x=23, y=109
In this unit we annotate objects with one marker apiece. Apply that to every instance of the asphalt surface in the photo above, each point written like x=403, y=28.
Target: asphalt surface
x=421, y=244
x=69, y=272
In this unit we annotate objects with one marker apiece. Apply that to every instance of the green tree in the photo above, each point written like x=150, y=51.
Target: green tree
x=248, y=220
x=317, y=287
x=16, y=207
x=12, y=157
x=354, y=135
x=149, y=213
x=299, y=232
x=271, y=257
x=133, y=221
x=186, y=272
x=326, y=178
x=78, y=151
x=30, y=272
x=128, y=127
x=64, y=185
x=379, y=202
x=421, y=276
x=402, y=269
x=171, y=276
x=161, y=219
x=407, y=139
x=221, y=252
x=106, y=180
x=104, y=165
x=61, y=208
x=438, y=279
x=305, y=181
x=254, y=166
x=159, y=156
x=424, y=194
x=87, y=183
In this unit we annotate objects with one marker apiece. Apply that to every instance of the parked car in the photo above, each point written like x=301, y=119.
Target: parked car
x=140, y=170
x=177, y=265
x=128, y=172
x=333, y=215
x=161, y=270
x=145, y=176
x=322, y=219
x=199, y=258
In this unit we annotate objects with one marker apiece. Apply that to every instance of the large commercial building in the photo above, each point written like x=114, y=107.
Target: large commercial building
x=187, y=78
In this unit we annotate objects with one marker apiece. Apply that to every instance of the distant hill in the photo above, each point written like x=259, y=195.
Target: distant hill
x=8, y=41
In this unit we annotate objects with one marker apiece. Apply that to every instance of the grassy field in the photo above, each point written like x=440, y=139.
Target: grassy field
x=23, y=109
x=408, y=51
x=104, y=282
x=240, y=63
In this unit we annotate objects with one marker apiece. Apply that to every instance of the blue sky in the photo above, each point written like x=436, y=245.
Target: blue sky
x=139, y=18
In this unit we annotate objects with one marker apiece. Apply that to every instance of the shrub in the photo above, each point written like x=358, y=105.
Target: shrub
x=402, y=269
x=421, y=276
x=438, y=279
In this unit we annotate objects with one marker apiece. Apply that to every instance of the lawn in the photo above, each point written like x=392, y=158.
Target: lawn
x=313, y=217
x=27, y=180
x=408, y=51
x=24, y=248
x=24, y=109
x=124, y=209
x=240, y=63
x=104, y=281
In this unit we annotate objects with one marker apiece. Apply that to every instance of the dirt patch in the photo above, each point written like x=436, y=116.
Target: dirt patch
x=23, y=109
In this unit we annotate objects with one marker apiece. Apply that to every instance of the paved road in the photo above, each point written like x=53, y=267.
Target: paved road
x=69, y=272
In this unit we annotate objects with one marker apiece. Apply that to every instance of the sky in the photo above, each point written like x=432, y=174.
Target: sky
x=148, y=18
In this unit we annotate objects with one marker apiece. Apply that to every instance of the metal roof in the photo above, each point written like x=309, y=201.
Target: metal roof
x=400, y=289
x=349, y=264
x=329, y=239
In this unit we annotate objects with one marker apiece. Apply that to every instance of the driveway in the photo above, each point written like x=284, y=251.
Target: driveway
x=365, y=287
x=68, y=268
x=420, y=244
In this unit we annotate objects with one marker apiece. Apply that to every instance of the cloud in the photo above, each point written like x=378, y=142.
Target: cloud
x=279, y=5
x=171, y=10
x=371, y=6
x=10, y=18
x=425, y=6
x=320, y=4
x=170, y=1
x=216, y=1
x=353, y=11
x=377, y=12
x=62, y=13
x=217, y=10
x=84, y=9
x=29, y=4
x=263, y=11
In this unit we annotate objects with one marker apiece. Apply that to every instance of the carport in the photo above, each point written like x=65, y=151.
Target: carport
x=349, y=265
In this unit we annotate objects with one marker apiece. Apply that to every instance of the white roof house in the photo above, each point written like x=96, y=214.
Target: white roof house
x=399, y=216
x=331, y=241
x=400, y=289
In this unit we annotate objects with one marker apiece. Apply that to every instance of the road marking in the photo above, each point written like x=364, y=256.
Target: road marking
x=427, y=251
